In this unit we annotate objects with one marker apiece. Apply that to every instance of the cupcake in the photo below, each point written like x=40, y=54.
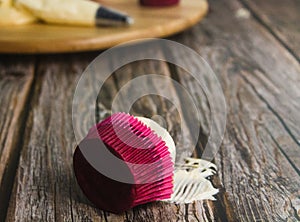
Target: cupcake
x=146, y=163
x=126, y=161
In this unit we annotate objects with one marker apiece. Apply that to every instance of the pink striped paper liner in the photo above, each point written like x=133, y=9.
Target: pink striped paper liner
x=138, y=144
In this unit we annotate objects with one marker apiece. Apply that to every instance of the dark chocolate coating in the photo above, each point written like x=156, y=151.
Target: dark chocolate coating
x=107, y=194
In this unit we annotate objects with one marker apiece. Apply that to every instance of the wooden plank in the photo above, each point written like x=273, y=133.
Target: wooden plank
x=258, y=161
x=16, y=78
x=281, y=18
x=45, y=188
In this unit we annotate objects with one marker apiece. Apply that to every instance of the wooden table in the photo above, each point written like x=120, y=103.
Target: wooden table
x=256, y=59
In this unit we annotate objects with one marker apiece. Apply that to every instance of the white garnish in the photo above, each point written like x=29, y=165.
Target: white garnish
x=191, y=183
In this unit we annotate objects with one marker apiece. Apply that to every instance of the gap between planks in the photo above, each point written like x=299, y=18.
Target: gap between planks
x=22, y=70
x=286, y=31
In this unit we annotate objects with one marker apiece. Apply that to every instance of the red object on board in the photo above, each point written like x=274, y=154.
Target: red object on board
x=159, y=2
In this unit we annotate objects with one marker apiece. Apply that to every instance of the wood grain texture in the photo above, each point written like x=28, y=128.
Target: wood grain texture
x=281, y=18
x=16, y=77
x=259, y=162
x=45, y=187
x=149, y=23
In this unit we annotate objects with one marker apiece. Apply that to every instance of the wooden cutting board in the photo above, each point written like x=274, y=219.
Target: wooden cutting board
x=149, y=22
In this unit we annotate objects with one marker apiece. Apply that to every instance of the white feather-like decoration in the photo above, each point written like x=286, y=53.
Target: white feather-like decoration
x=191, y=183
x=190, y=178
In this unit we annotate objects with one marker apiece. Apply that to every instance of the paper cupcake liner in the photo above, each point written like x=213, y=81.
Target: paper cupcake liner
x=145, y=154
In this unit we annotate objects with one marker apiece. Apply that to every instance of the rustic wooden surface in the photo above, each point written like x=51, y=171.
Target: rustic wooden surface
x=149, y=23
x=16, y=78
x=282, y=20
x=259, y=161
